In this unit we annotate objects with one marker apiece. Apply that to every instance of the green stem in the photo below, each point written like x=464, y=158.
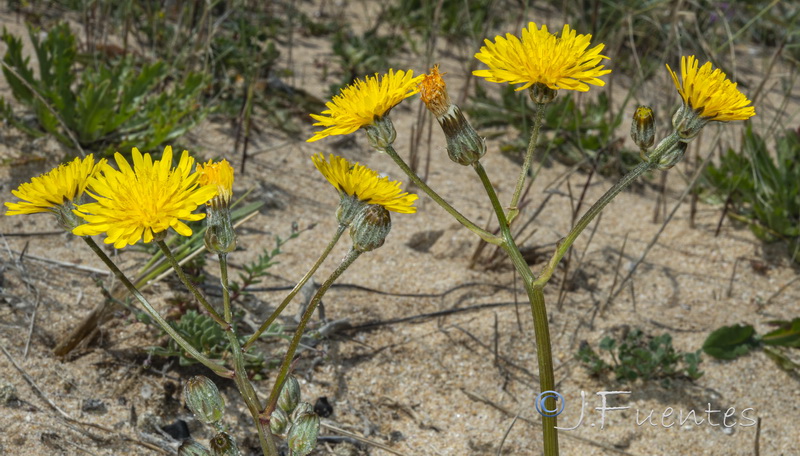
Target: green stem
x=296, y=289
x=485, y=235
x=513, y=210
x=538, y=312
x=545, y=357
x=352, y=255
x=565, y=243
x=217, y=368
x=190, y=286
x=246, y=389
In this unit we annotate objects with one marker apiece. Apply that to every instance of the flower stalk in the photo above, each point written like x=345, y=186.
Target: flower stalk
x=272, y=402
x=339, y=231
x=217, y=368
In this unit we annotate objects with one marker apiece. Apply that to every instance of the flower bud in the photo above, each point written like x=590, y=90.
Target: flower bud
x=192, y=448
x=303, y=408
x=541, y=93
x=290, y=395
x=220, y=236
x=672, y=156
x=303, y=434
x=381, y=133
x=464, y=145
x=643, y=128
x=279, y=421
x=203, y=399
x=223, y=445
x=370, y=228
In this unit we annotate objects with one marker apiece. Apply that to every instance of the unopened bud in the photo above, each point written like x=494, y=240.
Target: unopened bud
x=303, y=434
x=541, y=94
x=192, y=448
x=278, y=421
x=673, y=156
x=381, y=133
x=290, y=395
x=203, y=399
x=220, y=236
x=464, y=145
x=643, y=127
x=370, y=228
x=223, y=445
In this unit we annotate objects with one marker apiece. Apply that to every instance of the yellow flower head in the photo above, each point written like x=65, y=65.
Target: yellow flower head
x=220, y=175
x=360, y=103
x=710, y=93
x=137, y=202
x=48, y=192
x=540, y=57
x=364, y=184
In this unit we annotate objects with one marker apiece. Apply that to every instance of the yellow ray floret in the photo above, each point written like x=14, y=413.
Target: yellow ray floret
x=710, y=93
x=540, y=57
x=136, y=202
x=220, y=175
x=54, y=188
x=363, y=183
x=362, y=101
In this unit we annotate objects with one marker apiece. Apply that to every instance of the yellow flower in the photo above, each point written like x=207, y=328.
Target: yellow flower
x=433, y=92
x=360, y=103
x=220, y=175
x=710, y=93
x=364, y=184
x=137, y=202
x=50, y=191
x=540, y=57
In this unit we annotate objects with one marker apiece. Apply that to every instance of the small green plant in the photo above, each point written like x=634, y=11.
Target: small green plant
x=205, y=335
x=109, y=107
x=636, y=355
x=781, y=344
x=761, y=188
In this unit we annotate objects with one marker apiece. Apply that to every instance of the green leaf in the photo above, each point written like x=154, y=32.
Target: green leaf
x=787, y=335
x=730, y=342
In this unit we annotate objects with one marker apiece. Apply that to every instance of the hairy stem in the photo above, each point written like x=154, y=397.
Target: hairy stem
x=246, y=389
x=217, y=368
x=513, y=210
x=485, y=235
x=190, y=286
x=296, y=289
x=298, y=334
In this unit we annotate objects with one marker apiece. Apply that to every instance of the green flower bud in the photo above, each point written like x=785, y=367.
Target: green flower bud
x=220, y=236
x=370, y=228
x=193, y=448
x=541, y=94
x=381, y=133
x=203, y=399
x=464, y=145
x=223, y=445
x=303, y=408
x=290, y=395
x=672, y=156
x=303, y=434
x=643, y=127
x=279, y=421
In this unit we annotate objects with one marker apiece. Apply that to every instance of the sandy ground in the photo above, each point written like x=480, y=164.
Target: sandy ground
x=438, y=384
